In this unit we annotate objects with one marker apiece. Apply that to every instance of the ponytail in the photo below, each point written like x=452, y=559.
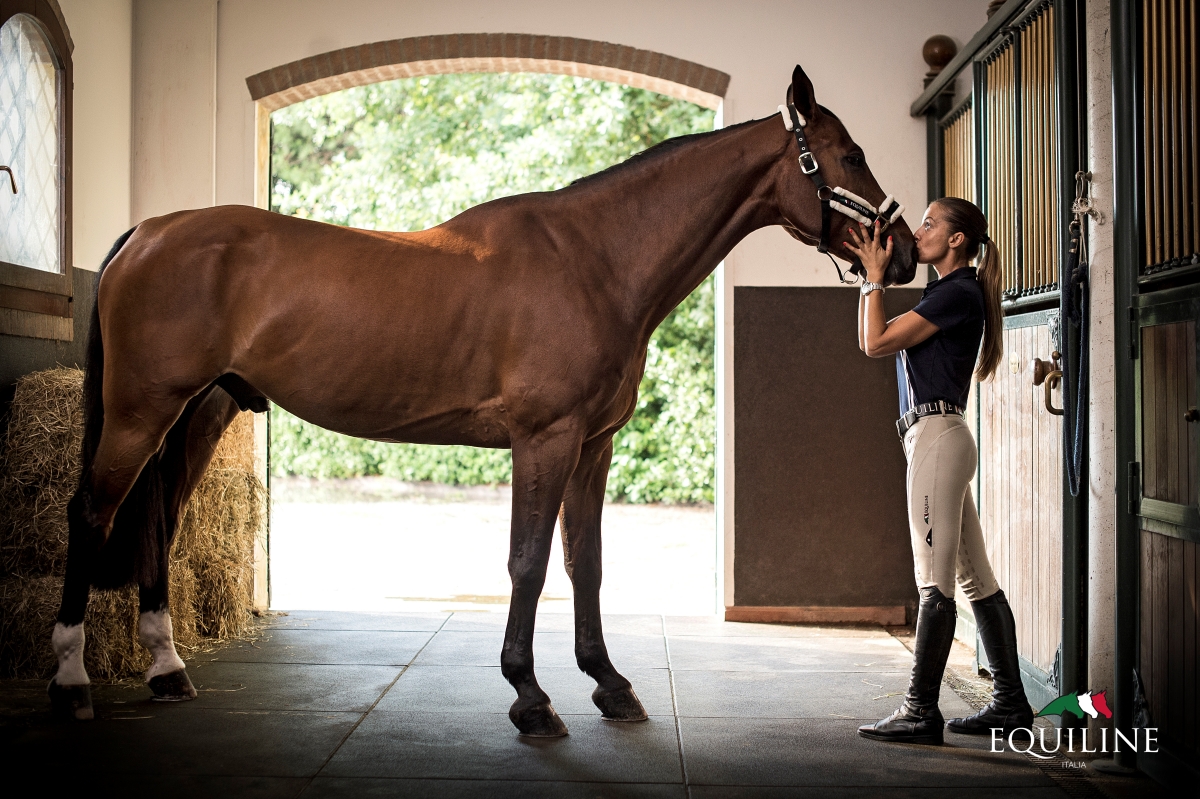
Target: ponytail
x=993, y=319
x=965, y=217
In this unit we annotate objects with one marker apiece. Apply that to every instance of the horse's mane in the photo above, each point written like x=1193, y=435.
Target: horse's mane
x=661, y=149
x=654, y=153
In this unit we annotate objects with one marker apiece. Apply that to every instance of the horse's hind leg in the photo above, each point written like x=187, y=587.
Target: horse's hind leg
x=127, y=442
x=581, y=509
x=70, y=688
x=186, y=453
x=541, y=466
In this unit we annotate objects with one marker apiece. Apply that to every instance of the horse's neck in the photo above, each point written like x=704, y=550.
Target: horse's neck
x=677, y=217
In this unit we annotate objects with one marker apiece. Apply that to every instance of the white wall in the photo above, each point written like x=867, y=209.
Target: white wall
x=103, y=34
x=174, y=103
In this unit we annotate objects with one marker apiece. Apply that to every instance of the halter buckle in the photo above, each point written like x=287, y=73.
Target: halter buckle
x=808, y=163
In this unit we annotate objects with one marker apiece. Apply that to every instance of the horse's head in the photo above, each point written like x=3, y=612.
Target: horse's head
x=841, y=164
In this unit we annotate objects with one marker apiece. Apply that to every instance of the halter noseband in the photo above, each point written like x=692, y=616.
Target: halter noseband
x=835, y=198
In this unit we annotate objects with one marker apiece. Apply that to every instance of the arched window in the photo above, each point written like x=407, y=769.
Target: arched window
x=29, y=146
x=35, y=171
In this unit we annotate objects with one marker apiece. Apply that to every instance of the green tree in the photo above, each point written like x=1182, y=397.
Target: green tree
x=409, y=154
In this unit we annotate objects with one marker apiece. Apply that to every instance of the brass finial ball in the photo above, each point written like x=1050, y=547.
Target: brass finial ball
x=938, y=52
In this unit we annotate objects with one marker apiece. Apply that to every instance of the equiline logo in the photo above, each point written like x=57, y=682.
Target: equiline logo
x=1047, y=742
x=1095, y=705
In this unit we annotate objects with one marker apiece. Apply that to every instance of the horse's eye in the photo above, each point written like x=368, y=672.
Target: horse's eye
x=855, y=160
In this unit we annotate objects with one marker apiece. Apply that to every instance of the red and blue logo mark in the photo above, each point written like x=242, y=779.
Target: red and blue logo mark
x=1093, y=704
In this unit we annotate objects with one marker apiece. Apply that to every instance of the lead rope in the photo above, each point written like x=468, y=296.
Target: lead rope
x=1073, y=311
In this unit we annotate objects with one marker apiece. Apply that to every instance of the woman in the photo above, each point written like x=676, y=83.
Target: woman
x=936, y=345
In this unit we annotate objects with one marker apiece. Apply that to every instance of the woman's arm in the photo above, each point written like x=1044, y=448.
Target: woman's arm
x=877, y=337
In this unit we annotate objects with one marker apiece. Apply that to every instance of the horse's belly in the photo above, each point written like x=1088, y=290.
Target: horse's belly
x=398, y=422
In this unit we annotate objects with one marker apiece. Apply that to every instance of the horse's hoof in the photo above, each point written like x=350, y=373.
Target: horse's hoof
x=537, y=721
x=619, y=705
x=71, y=701
x=174, y=686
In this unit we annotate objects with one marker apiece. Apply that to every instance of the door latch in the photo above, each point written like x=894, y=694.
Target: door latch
x=1048, y=373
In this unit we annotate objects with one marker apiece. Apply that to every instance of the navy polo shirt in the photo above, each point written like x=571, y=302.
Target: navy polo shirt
x=940, y=367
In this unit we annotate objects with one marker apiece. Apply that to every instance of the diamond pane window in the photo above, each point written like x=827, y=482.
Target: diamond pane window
x=29, y=219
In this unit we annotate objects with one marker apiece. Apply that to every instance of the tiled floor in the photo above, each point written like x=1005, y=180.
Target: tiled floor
x=333, y=704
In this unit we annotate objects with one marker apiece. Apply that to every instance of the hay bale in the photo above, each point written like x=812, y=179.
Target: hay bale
x=40, y=469
x=226, y=500
x=212, y=558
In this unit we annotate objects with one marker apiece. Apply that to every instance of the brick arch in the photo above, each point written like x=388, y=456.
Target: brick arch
x=486, y=52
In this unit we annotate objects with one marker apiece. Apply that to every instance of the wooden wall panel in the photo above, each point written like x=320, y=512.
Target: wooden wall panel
x=1170, y=629
x=1021, y=494
x=1168, y=390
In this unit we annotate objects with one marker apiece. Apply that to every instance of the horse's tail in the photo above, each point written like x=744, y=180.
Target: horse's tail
x=139, y=536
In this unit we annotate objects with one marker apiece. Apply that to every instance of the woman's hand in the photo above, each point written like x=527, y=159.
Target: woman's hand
x=874, y=257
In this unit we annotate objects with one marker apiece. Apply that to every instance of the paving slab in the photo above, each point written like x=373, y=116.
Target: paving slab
x=351, y=620
x=482, y=648
x=482, y=689
x=721, y=653
x=202, y=786
x=185, y=739
x=288, y=686
x=859, y=792
x=866, y=696
x=715, y=625
x=352, y=788
x=829, y=752
x=486, y=746
x=325, y=647
x=633, y=624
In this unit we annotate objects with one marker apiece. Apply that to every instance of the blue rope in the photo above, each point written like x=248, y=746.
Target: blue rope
x=1073, y=312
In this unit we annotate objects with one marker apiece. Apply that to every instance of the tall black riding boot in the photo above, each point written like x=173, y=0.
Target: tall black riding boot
x=1009, y=708
x=918, y=721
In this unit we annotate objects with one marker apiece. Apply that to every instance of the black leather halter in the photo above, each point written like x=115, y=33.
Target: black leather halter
x=836, y=198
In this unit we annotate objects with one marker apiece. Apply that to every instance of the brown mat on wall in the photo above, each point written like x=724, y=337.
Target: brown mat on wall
x=819, y=491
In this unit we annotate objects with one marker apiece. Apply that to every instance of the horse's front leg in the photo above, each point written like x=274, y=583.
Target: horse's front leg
x=542, y=464
x=581, y=510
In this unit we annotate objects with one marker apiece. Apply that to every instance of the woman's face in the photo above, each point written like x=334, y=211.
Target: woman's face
x=933, y=237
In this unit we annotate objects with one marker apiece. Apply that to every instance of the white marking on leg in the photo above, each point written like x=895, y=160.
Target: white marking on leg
x=154, y=632
x=68, y=646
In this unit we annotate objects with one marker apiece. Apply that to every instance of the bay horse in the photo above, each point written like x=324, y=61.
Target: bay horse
x=520, y=323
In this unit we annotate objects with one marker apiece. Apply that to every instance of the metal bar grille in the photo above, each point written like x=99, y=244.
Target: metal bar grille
x=1039, y=148
x=1171, y=169
x=1000, y=159
x=958, y=141
x=1021, y=153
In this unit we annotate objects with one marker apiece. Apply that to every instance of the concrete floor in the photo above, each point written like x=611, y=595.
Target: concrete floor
x=333, y=704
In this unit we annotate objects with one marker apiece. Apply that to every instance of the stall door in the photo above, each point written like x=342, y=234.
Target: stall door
x=1169, y=516
x=1020, y=502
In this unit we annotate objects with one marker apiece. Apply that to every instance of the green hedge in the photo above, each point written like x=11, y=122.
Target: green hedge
x=408, y=154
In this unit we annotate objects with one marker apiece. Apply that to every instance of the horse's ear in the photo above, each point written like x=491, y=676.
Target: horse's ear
x=802, y=95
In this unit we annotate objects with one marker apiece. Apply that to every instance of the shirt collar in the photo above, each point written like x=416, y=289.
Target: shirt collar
x=962, y=273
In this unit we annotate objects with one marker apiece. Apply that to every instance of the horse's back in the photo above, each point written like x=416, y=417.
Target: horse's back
x=380, y=335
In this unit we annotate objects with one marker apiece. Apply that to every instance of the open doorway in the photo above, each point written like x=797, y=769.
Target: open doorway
x=370, y=526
